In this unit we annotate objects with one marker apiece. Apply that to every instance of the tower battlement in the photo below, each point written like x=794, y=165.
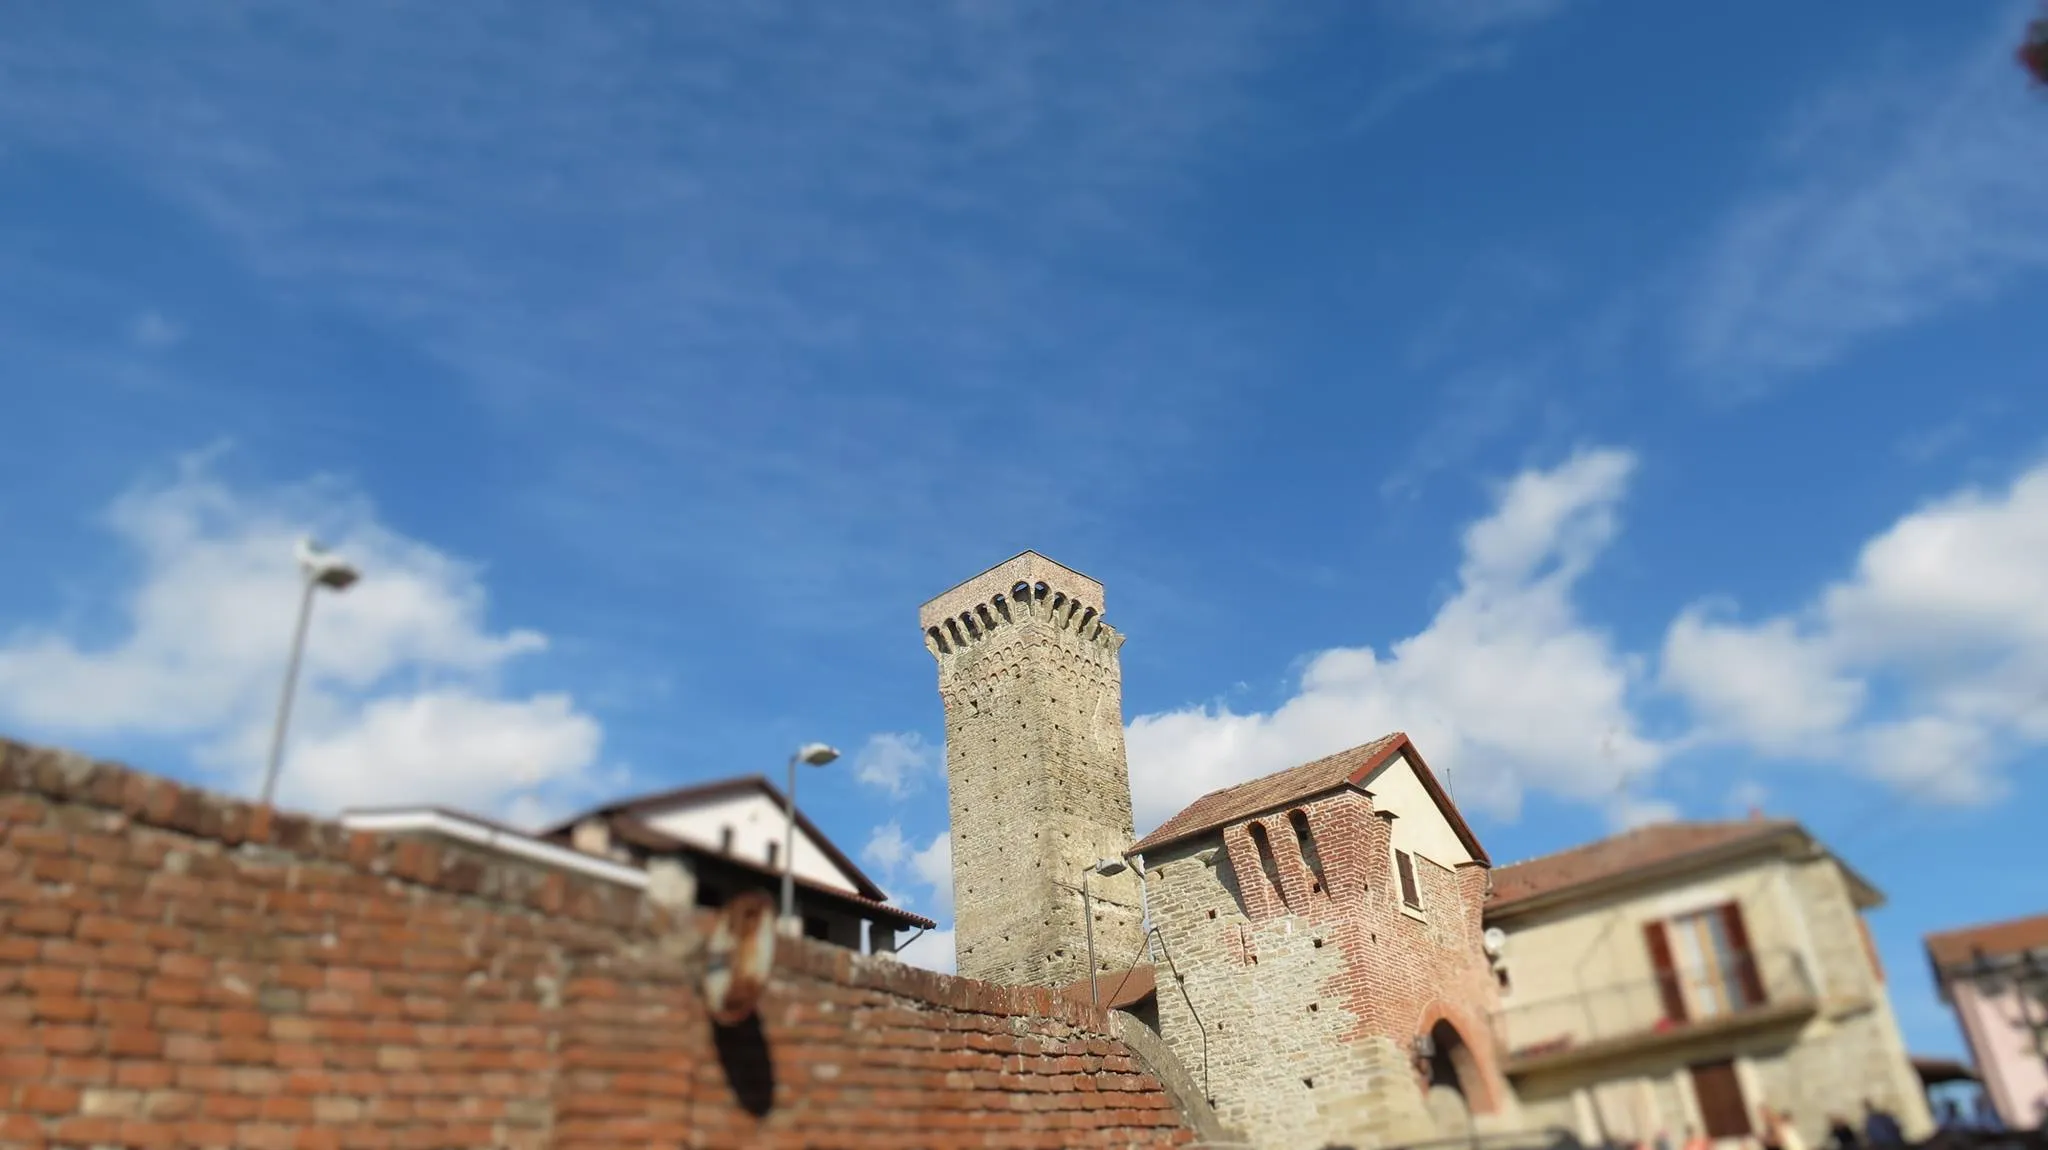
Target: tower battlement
x=1001, y=583
x=1025, y=602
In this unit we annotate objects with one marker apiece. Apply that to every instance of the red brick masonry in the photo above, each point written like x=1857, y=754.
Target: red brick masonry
x=178, y=969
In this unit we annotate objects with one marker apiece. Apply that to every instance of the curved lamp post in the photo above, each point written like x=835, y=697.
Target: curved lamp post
x=317, y=569
x=817, y=755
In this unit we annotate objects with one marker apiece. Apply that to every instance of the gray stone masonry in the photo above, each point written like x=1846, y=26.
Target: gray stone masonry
x=1294, y=1000
x=1035, y=775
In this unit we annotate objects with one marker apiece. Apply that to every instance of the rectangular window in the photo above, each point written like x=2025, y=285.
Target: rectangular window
x=1411, y=894
x=1709, y=954
x=725, y=840
x=773, y=848
x=1500, y=975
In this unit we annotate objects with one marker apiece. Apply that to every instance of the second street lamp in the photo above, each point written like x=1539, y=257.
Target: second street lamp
x=817, y=755
x=317, y=569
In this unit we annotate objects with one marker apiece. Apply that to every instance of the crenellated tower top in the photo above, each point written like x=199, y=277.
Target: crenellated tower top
x=1028, y=582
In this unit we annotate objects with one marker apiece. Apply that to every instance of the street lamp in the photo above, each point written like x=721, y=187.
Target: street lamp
x=817, y=755
x=1105, y=868
x=317, y=568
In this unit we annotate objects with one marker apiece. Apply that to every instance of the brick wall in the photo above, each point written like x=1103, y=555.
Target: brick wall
x=181, y=970
x=1300, y=1004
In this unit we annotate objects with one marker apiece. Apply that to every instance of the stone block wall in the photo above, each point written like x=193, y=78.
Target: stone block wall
x=1297, y=1001
x=180, y=970
x=1036, y=782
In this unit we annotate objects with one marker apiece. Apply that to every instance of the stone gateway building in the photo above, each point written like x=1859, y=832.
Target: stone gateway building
x=1326, y=952
x=1315, y=936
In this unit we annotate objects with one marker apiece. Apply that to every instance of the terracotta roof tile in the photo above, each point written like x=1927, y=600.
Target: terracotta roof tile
x=1276, y=790
x=1263, y=794
x=1644, y=846
x=1992, y=939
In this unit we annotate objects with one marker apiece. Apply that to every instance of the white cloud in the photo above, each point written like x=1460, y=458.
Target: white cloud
x=1768, y=682
x=1748, y=795
x=896, y=762
x=929, y=866
x=1943, y=617
x=932, y=950
x=933, y=866
x=886, y=848
x=1506, y=689
x=397, y=700
x=1903, y=198
x=152, y=329
x=1627, y=812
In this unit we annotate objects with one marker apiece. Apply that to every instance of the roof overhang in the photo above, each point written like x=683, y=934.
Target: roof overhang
x=1783, y=840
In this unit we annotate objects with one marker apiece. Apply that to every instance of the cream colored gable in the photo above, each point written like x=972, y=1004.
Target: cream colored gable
x=1420, y=826
x=755, y=821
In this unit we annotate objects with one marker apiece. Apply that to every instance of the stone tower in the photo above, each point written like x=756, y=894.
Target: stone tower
x=1035, y=773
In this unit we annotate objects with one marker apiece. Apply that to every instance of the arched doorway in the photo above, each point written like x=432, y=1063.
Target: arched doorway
x=1454, y=1084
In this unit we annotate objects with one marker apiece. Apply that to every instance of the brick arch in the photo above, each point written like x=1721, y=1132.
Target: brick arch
x=1473, y=1060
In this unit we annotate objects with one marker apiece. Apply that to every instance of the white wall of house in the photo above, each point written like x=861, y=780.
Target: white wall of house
x=1420, y=826
x=755, y=821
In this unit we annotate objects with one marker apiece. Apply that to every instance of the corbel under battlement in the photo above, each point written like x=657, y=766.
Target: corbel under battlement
x=1024, y=603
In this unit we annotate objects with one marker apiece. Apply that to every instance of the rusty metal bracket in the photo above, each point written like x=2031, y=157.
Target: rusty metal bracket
x=738, y=957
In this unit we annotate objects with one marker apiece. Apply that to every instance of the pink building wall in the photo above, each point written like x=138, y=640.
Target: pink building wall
x=2015, y=1072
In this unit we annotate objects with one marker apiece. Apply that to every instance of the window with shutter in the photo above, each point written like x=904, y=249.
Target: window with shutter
x=1411, y=894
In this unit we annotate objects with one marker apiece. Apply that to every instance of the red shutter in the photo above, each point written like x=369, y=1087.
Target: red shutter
x=1746, y=973
x=1667, y=976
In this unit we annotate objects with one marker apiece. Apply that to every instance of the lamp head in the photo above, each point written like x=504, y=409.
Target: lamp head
x=323, y=567
x=816, y=754
x=1110, y=866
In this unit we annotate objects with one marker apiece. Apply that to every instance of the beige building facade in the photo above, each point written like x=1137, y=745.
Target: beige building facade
x=1683, y=976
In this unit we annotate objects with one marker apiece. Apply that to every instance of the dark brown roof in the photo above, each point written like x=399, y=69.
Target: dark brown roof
x=629, y=829
x=1345, y=768
x=1990, y=940
x=1611, y=857
x=1935, y=1071
x=1121, y=989
x=718, y=789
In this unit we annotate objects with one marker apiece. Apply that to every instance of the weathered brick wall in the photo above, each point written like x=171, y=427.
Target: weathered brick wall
x=181, y=970
x=1302, y=1004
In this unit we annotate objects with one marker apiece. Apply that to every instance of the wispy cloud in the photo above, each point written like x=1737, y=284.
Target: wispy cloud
x=1891, y=200
x=786, y=265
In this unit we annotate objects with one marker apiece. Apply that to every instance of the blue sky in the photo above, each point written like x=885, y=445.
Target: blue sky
x=1642, y=405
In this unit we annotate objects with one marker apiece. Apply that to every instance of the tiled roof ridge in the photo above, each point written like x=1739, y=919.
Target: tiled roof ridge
x=1168, y=831
x=1603, y=859
x=1645, y=829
